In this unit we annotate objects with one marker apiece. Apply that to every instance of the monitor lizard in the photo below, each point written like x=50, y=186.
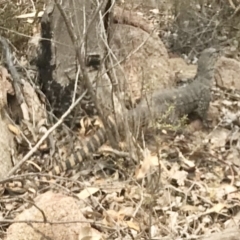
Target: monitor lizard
x=195, y=97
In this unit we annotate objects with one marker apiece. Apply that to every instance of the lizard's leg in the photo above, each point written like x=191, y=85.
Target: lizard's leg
x=203, y=105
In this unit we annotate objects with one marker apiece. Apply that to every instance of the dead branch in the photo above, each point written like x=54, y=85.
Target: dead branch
x=80, y=52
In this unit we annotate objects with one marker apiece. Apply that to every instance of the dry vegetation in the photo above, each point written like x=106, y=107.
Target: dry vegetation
x=196, y=25
x=188, y=186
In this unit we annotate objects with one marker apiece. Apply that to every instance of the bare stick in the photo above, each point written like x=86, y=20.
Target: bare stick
x=80, y=57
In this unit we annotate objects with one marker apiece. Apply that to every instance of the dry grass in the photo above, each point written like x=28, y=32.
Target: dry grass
x=195, y=25
x=17, y=30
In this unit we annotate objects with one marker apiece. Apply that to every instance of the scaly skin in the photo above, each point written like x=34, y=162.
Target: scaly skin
x=194, y=97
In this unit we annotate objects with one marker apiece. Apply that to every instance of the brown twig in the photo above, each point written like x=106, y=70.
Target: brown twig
x=80, y=52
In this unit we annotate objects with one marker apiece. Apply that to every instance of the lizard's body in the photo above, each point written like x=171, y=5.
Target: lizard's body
x=194, y=97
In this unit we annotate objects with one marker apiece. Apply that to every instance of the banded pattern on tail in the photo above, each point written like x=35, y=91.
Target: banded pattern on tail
x=88, y=147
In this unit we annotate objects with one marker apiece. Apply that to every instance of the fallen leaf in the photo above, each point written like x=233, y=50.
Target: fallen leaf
x=149, y=161
x=216, y=208
x=14, y=129
x=133, y=225
x=180, y=177
x=87, y=192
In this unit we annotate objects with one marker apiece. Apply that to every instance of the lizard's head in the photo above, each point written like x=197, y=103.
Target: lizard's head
x=207, y=60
